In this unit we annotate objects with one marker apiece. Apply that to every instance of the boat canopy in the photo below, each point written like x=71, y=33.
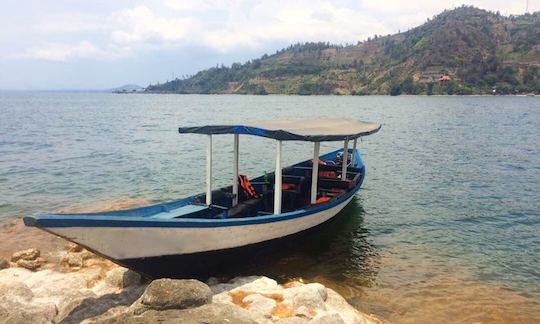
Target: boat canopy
x=310, y=130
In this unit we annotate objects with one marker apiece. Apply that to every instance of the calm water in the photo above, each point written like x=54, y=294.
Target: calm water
x=450, y=206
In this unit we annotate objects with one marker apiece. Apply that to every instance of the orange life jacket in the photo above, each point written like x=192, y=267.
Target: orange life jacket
x=328, y=174
x=247, y=187
x=322, y=200
x=288, y=186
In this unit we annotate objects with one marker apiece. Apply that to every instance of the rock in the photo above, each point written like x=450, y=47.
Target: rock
x=73, y=260
x=4, y=264
x=112, y=315
x=333, y=318
x=91, y=307
x=30, y=264
x=208, y=314
x=73, y=247
x=164, y=294
x=252, y=283
x=70, y=302
x=122, y=278
x=30, y=254
x=292, y=320
x=259, y=306
x=14, y=291
x=49, y=296
x=86, y=255
x=16, y=299
x=212, y=281
x=305, y=312
x=312, y=296
x=42, y=315
x=337, y=304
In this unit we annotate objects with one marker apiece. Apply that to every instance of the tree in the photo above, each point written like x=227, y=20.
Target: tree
x=429, y=88
x=395, y=90
x=407, y=86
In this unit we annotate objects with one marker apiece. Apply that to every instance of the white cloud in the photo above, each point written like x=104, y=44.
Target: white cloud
x=72, y=22
x=64, y=52
x=290, y=22
x=230, y=26
x=140, y=24
x=202, y=5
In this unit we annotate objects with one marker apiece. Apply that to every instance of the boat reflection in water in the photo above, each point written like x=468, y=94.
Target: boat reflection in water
x=336, y=252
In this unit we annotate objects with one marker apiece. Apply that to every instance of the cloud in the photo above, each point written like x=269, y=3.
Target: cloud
x=72, y=22
x=227, y=26
x=64, y=52
x=300, y=21
x=140, y=24
x=201, y=5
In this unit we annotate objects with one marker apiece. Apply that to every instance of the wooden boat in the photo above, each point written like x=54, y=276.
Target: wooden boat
x=205, y=231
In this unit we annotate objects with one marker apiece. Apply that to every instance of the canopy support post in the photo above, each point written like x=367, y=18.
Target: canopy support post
x=315, y=172
x=353, y=157
x=278, y=181
x=209, y=171
x=235, y=170
x=344, y=161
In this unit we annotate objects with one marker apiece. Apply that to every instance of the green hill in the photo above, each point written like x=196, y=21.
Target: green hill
x=477, y=51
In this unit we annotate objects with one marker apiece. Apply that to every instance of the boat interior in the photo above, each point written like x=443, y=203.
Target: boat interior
x=256, y=198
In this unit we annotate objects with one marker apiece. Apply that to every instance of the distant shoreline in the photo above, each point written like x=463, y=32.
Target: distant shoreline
x=271, y=94
x=342, y=95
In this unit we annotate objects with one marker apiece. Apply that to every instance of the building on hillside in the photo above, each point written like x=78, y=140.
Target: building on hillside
x=444, y=79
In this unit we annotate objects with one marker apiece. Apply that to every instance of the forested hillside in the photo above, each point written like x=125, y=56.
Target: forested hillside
x=461, y=51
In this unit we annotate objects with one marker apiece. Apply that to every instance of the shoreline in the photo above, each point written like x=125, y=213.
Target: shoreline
x=258, y=95
x=333, y=95
x=83, y=287
x=398, y=294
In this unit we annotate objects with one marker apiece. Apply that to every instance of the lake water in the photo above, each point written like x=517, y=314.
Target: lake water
x=446, y=228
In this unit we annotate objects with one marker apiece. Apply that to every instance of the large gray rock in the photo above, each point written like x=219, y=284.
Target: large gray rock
x=207, y=314
x=122, y=278
x=259, y=307
x=164, y=294
x=14, y=291
x=42, y=315
x=333, y=318
x=4, y=264
x=312, y=295
x=85, y=308
x=15, y=298
x=30, y=254
x=293, y=320
x=337, y=304
x=71, y=302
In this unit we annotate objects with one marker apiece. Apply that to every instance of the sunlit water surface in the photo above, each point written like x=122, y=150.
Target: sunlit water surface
x=446, y=228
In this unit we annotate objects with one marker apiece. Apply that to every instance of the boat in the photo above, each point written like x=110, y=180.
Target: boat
x=206, y=231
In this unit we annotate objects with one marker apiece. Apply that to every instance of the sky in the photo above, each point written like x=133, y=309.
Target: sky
x=101, y=44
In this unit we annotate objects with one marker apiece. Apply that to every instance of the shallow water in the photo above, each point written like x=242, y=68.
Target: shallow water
x=446, y=227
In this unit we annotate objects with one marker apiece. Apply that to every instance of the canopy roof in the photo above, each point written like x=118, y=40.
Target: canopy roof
x=313, y=130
